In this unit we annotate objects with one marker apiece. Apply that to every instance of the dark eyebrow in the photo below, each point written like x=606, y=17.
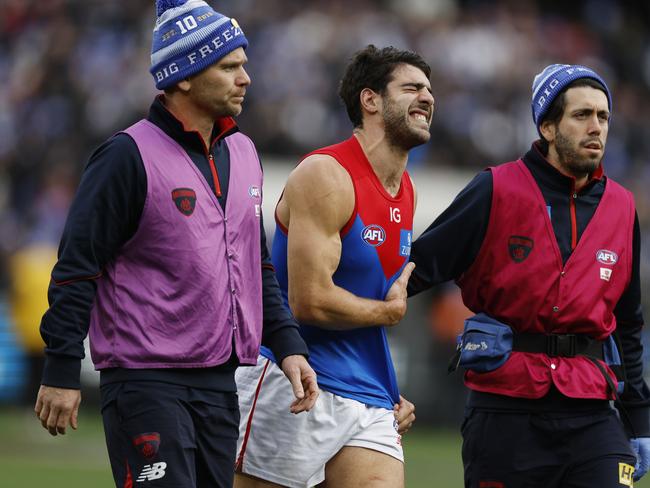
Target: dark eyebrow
x=417, y=86
x=590, y=110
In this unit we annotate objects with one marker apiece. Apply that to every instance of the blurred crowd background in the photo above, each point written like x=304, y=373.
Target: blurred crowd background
x=72, y=72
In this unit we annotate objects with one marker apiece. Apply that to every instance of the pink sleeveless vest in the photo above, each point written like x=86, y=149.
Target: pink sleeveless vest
x=188, y=283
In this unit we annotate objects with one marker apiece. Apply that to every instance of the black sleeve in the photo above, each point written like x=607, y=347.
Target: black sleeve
x=451, y=243
x=280, y=332
x=104, y=215
x=629, y=319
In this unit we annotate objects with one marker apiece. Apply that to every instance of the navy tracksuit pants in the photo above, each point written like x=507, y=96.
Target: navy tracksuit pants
x=533, y=449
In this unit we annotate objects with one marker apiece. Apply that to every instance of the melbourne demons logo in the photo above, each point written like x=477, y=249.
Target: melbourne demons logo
x=185, y=200
x=605, y=256
x=519, y=248
x=373, y=235
x=147, y=444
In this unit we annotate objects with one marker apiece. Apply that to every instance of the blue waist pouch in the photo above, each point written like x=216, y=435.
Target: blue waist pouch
x=484, y=345
x=612, y=358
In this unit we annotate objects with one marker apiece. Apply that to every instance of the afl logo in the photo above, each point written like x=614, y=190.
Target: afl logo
x=254, y=191
x=373, y=235
x=606, y=257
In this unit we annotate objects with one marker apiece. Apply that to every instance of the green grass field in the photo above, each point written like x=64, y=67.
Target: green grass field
x=30, y=457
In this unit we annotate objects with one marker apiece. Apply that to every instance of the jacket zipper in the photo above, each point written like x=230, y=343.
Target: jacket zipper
x=215, y=176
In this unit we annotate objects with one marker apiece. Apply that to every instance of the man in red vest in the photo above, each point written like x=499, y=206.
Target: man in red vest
x=549, y=246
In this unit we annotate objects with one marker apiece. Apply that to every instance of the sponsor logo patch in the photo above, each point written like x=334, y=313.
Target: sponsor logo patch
x=491, y=484
x=373, y=235
x=254, y=191
x=519, y=248
x=152, y=472
x=185, y=200
x=405, y=238
x=605, y=274
x=147, y=444
x=474, y=346
x=604, y=256
x=625, y=472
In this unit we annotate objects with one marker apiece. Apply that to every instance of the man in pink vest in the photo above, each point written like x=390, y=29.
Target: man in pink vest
x=164, y=263
x=545, y=250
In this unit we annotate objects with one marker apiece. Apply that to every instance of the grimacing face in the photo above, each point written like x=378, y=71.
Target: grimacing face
x=578, y=141
x=408, y=107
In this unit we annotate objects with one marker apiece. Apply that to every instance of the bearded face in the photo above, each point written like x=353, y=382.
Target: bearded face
x=577, y=141
x=572, y=155
x=406, y=126
x=407, y=108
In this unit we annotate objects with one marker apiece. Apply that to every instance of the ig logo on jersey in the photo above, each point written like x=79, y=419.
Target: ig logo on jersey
x=373, y=235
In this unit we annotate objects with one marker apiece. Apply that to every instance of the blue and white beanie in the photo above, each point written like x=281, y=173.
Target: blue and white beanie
x=188, y=37
x=548, y=84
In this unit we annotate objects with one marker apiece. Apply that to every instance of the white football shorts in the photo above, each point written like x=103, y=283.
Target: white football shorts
x=292, y=449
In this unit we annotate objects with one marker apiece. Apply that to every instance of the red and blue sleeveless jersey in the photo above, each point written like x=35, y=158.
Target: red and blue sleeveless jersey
x=376, y=244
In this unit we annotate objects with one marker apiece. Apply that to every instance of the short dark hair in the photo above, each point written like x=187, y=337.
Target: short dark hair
x=373, y=68
x=556, y=110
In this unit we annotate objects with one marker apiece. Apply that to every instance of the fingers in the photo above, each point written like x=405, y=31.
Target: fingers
x=74, y=419
x=310, y=395
x=306, y=403
x=402, y=281
x=292, y=372
x=62, y=422
x=404, y=426
x=406, y=273
x=404, y=414
x=51, y=421
x=44, y=414
x=303, y=382
x=57, y=408
x=47, y=414
x=639, y=472
x=57, y=420
x=397, y=294
x=39, y=406
x=311, y=388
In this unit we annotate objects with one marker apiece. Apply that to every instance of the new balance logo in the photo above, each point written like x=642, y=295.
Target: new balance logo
x=152, y=472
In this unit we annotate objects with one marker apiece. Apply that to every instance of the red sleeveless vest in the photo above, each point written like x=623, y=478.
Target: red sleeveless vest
x=518, y=278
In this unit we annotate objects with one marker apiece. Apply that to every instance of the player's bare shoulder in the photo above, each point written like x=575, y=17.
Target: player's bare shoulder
x=319, y=184
x=318, y=175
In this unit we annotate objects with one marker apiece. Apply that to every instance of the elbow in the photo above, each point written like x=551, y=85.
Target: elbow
x=305, y=308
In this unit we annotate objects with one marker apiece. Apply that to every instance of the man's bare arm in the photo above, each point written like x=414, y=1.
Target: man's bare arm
x=317, y=203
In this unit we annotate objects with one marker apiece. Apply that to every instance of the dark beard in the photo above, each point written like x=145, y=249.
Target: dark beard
x=571, y=160
x=398, y=132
